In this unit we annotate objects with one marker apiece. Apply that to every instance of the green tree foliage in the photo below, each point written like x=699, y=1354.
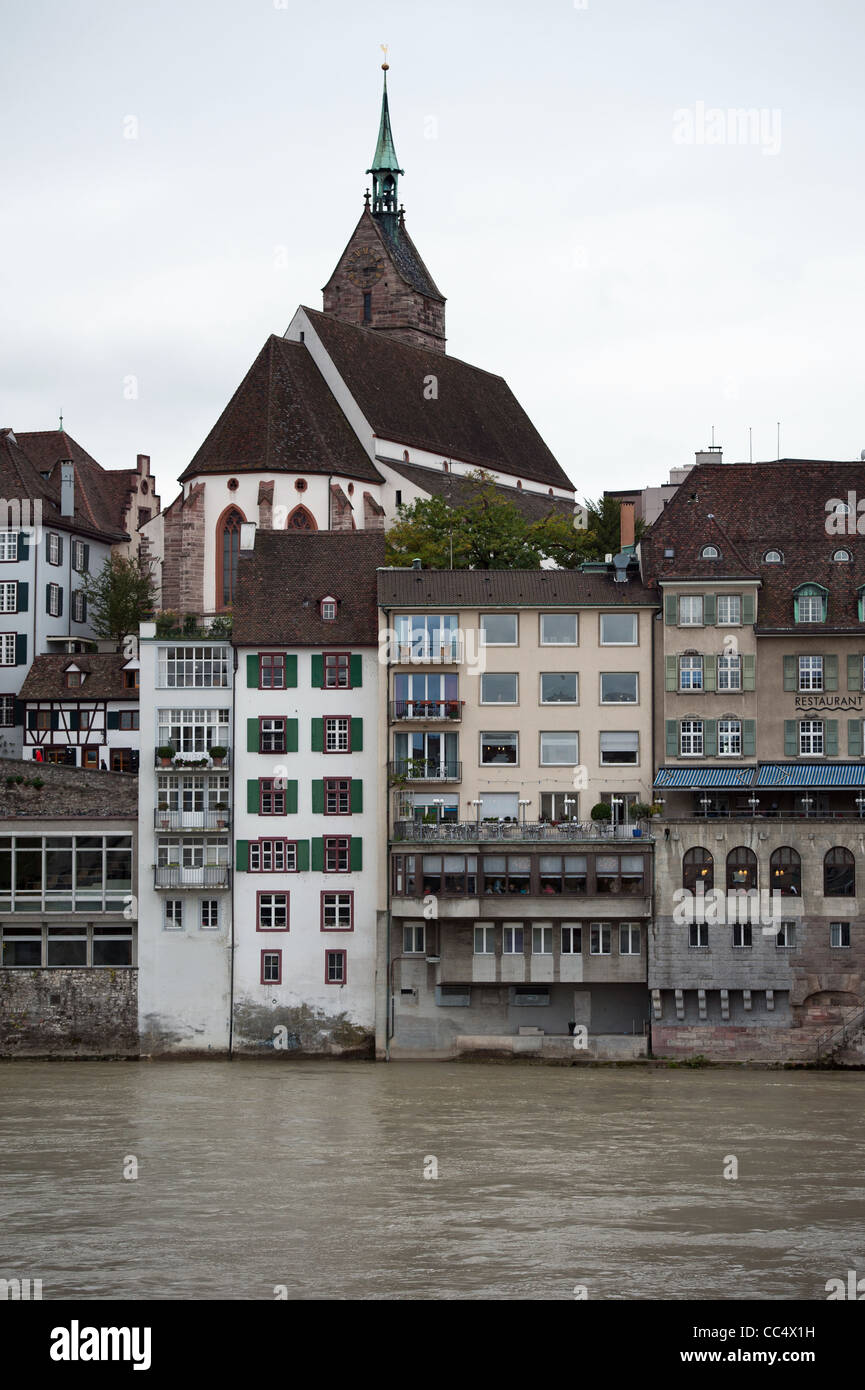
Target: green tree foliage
x=119, y=597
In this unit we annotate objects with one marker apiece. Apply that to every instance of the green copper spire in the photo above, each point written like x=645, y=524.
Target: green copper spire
x=385, y=166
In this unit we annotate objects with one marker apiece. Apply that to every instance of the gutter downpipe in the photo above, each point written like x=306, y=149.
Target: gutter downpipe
x=388, y=962
x=232, y=851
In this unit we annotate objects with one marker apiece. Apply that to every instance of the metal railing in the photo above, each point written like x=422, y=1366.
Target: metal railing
x=426, y=709
x=426, y=770
x=446, y=831
x=192, y=762
x=190, y=820
x=202, y=876
x=835, y=1038
x=446, y=652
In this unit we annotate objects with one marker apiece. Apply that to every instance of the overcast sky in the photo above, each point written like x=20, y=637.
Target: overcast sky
x=634, y=279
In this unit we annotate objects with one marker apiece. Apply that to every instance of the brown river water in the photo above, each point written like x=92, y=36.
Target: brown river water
x=310, y=1175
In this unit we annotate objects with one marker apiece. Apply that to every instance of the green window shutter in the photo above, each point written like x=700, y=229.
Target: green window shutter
x=709, y=610
x=317, y=667
x=671, y=610
x=710, y=737
x=317, y=735
x=854, y=738
x=749, y=615
x=291, y=735
x=789, y=673
x=317, y=796
x=356, y=795
x=47, y=598
x=85, y=569
x=21, y=649
x=672, y=731
x=290, y=672
x=73, y=718
x=749, y=672
x=854, y=671
x=791, y=738
x=749, y=737
x=241, y=855
x=830, y=673
x=795, y=608
x=357, y=736
x=31, y=719
x=60, y=604
x=303, y=855
x=831, y=738
x=20, y=710
x=252, y=743
x=112, y=719
x=710, y=671
x=23, y=592
x=252, y=671
x=356, y=671
x=23, y=545
x=671, y=664
x=318, y=854
x=252, y=799
x=55, y=719
x=356, y=853
x=291, y=798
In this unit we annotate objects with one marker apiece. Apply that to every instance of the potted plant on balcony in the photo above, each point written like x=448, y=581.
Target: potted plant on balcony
x=165, y=754
x=601, y=811
x=217, y=753
x=639, y=811
x=221, y=809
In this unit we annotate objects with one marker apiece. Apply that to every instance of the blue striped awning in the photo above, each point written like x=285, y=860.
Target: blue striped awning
x=742, y=777
x=780, y=775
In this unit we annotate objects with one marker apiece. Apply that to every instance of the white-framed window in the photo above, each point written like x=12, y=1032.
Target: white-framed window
x=841, y=556
x=691, y=738
x=413, y=939
x=328, y=610
x=619, y=688
x=273, y=911
x=811, y=737
x=172, y=914
x=690, y=610
x=7, y=711
x=80, y=556
x=8, y=545
x=559, y=687
x=559, y=629
x=698, y=935
x=710, y=552
x=786, y=938
x=542, y=939
x=773, y=557
x=55, y=548
x=601, y=939
x=209, y=914
x=690, y=673
x=499, y=748
x=618, y=629
x=811, y=608
x=499, y=688
x=620, y=746
x=337, y=912
x=192, y=730
x=7, y=648
x=9, y=596
x=560, y=749
x=485, y=939
x=729, y=610
x=512, y=939
x=729, y=672
x=55, y=601
x=499, y=630
x=181, y=668
x=272, y=857
x=742, y=936
x=572, y=938
x=79, y=606
x=839, y=935
x=810, y=673
x=337, y=730
x=729, y=738
x=629, y=939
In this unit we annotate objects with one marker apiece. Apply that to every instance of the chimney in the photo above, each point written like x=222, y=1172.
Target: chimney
x=67, y=487
x=714, y=454
x=626, y=525
x=416, y=564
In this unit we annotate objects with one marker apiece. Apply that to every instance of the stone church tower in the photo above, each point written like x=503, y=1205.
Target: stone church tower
x=380, y=280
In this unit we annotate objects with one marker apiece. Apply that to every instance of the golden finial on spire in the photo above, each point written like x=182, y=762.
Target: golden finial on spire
x=385, y=65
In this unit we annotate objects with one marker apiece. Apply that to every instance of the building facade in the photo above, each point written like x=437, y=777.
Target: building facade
x=82, y=711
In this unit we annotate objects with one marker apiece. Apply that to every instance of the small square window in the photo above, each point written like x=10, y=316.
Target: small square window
x=498, y=688
x=335, y=967
x=337, y=912
x=413, y=943
x=271, y=967
x=172, y=919
x=618, y=629
x=839, y=934
x=209, y=919
x=499, y=629
x=558, y=629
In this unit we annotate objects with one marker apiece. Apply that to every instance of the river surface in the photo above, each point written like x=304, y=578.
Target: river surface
x=311, y=1176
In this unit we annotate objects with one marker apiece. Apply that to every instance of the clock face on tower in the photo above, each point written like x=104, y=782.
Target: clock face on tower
x=364, y=267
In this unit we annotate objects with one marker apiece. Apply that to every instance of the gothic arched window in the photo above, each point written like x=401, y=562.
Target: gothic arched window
x=227, y=555
x=301, y=520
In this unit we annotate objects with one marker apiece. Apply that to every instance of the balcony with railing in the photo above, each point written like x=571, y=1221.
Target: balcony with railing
x=196, y=876
x=451, y=710
x=164, y=819
x=428, y=651
x=425, y=770
x=446, y=832
x=191, y=762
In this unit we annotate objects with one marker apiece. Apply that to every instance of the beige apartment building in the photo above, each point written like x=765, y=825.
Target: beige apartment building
x=517, y=701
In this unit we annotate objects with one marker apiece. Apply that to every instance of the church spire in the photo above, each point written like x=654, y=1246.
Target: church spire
x=385, y=168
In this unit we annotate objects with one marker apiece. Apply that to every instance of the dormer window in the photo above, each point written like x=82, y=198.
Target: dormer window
x=328, y=610
x=842, y=557
x=773, y=557
x=710, y=552
x=809, y=603
x=669, y=553
x=74, y=678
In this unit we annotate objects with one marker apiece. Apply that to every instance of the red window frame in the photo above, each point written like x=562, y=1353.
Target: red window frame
x=332, y=892
x=272, y=719
x=336, y=782
x=278, y=980
x=336, y=657
x=337, y=840
x=328, y=719
x=273, y=840
x=265, y=785
x=344, y=967
x=276, y=663
x=273, y=893
x=329, y=599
